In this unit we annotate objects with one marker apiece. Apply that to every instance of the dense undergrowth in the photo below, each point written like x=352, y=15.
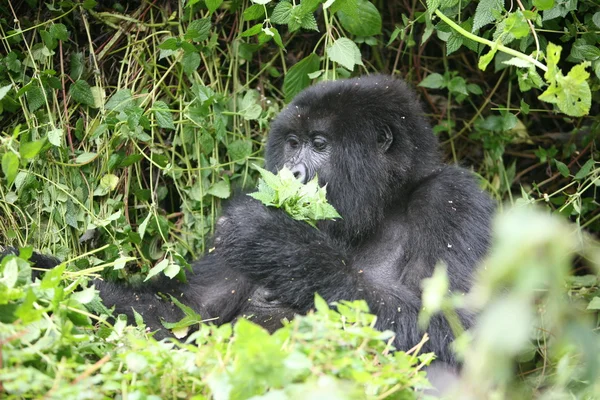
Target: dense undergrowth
x=123, y=125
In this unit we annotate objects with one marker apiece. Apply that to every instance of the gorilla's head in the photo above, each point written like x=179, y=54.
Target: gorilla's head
x=364, y=137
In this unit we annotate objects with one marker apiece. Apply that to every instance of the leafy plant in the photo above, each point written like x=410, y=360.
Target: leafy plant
x=302, y=202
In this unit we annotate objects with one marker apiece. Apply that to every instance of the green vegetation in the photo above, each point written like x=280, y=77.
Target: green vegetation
x=123, y=125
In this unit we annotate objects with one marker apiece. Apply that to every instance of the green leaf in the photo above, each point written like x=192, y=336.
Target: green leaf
x=433, y=81
x=453, y=43
x=29, y=150
x=212, y=5
x=570, y=93
x=143, y=225
x=85, y=158
x=157, y=269
x=190, y=62
x=164, y=119
x=249, y=107
x=220, y=189
x=487, y=58
x=297, y=77
x=59, y=31
x=253, y=12
x=55, y=137
x=364, y=21
x=4, y=90
x=594, y=304
x=281, y=13
x=198, y=30
x=516, y=25
x=485, y=13
x=120, y=101
x=253, y=30
x=35, y=98
x=596, y=19
x=543, y=4
x=585, y=169
x=239, y=150
x=458, y=85
x=81, y=92
x=10, y=166
x=77, y=65
x=345, y=52
x=562, y=168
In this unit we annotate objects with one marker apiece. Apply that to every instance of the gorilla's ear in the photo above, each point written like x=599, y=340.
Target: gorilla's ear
x=385, y=138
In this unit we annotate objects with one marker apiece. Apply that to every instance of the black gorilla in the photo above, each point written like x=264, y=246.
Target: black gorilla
x=402, y=211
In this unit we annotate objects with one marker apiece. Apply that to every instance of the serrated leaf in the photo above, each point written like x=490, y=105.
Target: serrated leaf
x=220, y=189
x=35, y=98
x=55, y=137
x=164, y=119
x=253, y=12
x=484, y=13
x=81, y=92
x=212, y=5
x=570, y=93
x=364, y=21
x=190, y=62
x=282, y=12
x=345, y=52
x=59, y=31
x=198, y=30
x=10, y=166
x=297, y=77
x=239, y=150
x=120, y=101
x=453, y=43
x=433, y=81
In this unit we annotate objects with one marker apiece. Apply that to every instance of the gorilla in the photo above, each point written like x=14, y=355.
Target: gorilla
x=403, y=211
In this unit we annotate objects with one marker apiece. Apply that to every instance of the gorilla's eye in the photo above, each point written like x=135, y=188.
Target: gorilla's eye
x=319, y=143
x=293, y=142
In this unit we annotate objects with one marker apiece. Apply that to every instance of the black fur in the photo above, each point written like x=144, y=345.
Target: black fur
x=403, y=211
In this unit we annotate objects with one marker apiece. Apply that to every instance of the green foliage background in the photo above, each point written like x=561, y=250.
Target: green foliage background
x=123, y=125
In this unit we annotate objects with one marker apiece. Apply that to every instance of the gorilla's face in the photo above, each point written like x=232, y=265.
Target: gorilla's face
x=307, y=154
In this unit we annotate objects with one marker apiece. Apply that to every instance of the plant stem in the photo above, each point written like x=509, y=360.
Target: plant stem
x=497, y=45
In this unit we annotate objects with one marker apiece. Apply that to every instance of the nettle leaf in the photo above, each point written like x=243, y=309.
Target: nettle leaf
x=239, y=150
x=10, y=166
x=364, y=21
x=249, y=107
x=516, y=25
x=4, y=90
x=453, y=43
x=433, y=81
x=81, y=92
x=55, y=137
x=35, y=98
x=190, y=62
x=164, y=119
x=198, y=30
x=29, y=150
x=212, y=5
x=253, y=12
x=253, y=30
x=220, y=189
x=542, y=5
x=297, y=77
x=345, y=52
x=282, y=13
x=486, y=12
x=120, y=101
x=157, y=269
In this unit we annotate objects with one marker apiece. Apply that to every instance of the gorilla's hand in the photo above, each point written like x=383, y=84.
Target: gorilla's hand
x=288, y=257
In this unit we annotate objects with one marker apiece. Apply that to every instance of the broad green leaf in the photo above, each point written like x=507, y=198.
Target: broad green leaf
x=253, y=30
x=190, y=62
x=458, y=85
x=220, y=189
x=212, y=5
x=35, y=98
x=29, y=150
x=570, y=93
x=433, y=81
x=543, y=4
x=594, y=304
x=81, y=92
x=487, y=58
x=4, y=90
x=10, y=166
x=253, y=12
x=198, y=30
x=120, y=101
x=585, y=169
x=59, y=31
x=596, y=19
x=239, y=150
x=164, y=119
x=55, y=137
x=486, y=13
x=364, y=21
x=157, y=269
x=297, y=77
x=281, y=13
x=143, y=225
x=85, y=158
x=345, y=52
x=249, y=107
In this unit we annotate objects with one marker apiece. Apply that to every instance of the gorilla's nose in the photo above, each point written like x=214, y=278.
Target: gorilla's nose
x=300, y=172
